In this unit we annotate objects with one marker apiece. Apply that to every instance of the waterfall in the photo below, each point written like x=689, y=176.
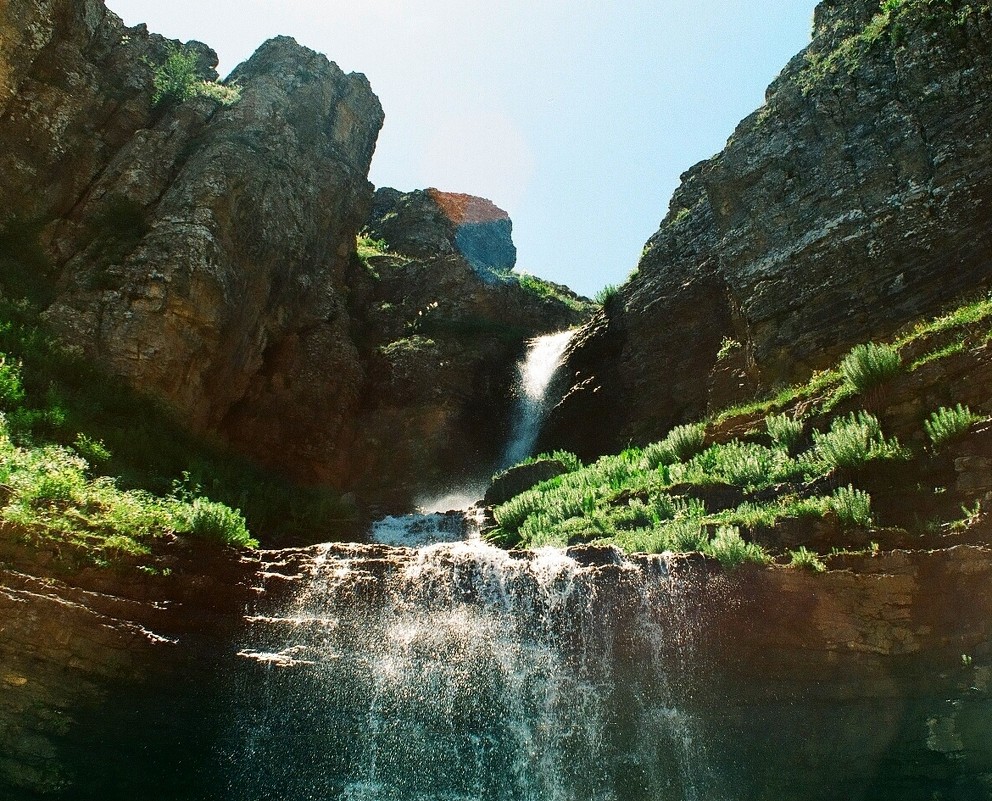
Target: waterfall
x=461, y=672
x=432, y=666
x=435, y=520
x=534, y=379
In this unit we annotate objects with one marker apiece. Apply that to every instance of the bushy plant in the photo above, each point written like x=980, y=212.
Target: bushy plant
x=783, y=430
x=11, y=387
x=806, y=559
x=216, y=522
x=176, y=79
x=946, y=425
x=731, y=550
x=743, y=464
x=851, y=441
x=852, y=506
x=366, y=246
x=606, y=294
x=870, y=365
x=681, y=443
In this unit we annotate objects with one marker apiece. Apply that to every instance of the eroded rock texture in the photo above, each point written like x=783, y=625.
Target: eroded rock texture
x=855, y=200
x=206, y=253
x=430, y=222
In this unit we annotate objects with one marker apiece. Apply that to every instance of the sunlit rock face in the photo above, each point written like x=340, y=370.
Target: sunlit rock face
x=205, y=252
x=855, y=200
x=427, y=222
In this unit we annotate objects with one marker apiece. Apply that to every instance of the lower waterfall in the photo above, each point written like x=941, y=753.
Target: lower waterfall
x=431, y=666
x=460, y=672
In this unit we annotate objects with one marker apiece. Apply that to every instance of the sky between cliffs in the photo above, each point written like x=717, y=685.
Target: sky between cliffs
x=576, y=116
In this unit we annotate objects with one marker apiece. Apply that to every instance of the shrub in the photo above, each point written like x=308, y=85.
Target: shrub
x=217, y=522
x=731, y=550
x=852, y=506
x=784, y=431
x=742, y=464
x=681, y=443
x=176, y=79
x=945, y=425
x=11, y=387
x=606, y=294
x=91, y=450
x=870, y=365
x=851, y=441
x=727, y=347
x=366, y=246
x=806, y=559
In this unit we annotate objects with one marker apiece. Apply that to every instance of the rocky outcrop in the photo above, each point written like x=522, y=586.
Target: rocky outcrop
x=204, y=250
x=855, y=200
x=429, y=222
x=89, y=652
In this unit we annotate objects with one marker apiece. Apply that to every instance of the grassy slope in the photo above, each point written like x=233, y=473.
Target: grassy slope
x=792, y=476
x=86, y=460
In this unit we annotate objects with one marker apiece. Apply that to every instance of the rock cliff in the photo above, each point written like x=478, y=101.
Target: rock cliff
x=855, y=200
x=204, y=250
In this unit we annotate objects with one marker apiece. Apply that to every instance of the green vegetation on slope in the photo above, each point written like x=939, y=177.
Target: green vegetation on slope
x=800, y=457
x=119, y=455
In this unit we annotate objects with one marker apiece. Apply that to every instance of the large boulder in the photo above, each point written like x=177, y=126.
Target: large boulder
x=423, y=223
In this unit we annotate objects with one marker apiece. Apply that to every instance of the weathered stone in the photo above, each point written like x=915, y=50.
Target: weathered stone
x=206, y=253
x=855, y=200
x=426, y=223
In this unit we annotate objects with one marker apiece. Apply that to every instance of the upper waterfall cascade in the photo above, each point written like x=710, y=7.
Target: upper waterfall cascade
x=450, y=518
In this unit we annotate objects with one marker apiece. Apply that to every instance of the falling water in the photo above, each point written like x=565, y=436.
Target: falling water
x=534, y=380
x=461, y=672
x=452, y=517
x=450, y=670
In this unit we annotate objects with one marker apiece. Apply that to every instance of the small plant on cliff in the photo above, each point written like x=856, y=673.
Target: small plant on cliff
x=870, y=365
x=216, y=522
x=851, y=441
x=889, y=6
x=784, y=431
x=806, y=559
x=177, y=79
x=852, y=506
x=606, y=294
x=681, y=443
x=366, y=246
x=728, y=346
x=731, y=550
x=946, y=425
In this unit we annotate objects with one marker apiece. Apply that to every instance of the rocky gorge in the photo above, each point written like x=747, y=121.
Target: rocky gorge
x=227, y=256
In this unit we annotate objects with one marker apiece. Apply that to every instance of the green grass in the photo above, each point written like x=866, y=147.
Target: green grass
x=549, y=291
x=870, y=365
x=177, y=79
x=784, y=431
x=54, y=397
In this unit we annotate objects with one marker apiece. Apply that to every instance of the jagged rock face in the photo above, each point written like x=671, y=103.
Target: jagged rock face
x=206, y=253
x=429, y=222
x=856, y=200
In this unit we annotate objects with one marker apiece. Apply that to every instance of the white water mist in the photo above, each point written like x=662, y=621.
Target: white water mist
x=535, y=375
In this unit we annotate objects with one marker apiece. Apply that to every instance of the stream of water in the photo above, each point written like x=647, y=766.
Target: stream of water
x=449, y=670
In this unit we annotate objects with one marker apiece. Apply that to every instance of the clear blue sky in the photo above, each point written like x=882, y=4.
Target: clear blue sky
x=575, y=116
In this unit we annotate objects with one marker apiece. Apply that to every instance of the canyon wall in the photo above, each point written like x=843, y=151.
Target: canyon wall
x=854, y=201
x=204, y=249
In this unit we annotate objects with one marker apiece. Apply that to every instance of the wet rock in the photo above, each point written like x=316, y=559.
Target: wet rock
x=512, y=482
